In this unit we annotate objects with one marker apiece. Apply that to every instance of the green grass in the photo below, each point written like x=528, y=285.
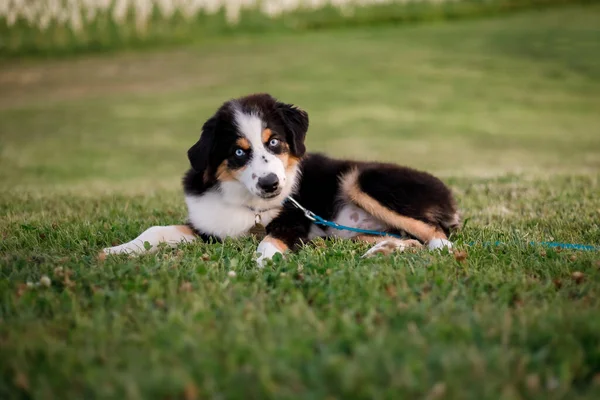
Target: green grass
x=505, y=110
x=104, y=34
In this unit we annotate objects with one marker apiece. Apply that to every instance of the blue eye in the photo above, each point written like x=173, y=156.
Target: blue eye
x=240, y=153
x=273, y=142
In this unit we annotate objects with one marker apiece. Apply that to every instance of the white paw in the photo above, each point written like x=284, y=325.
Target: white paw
x=127, y=248
x=109, y=250
x=266, y=252
x=435, y=244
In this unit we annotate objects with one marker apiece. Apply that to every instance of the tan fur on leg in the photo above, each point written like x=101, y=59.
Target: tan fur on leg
x=419, y=229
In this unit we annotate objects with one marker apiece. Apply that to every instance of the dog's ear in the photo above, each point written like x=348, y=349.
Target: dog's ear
x=295, y=122
x=200, y=153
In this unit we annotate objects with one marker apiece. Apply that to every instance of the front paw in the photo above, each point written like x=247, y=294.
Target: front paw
x=262, y=260
x=267, y=249
x=435, y=244
x=265, y=254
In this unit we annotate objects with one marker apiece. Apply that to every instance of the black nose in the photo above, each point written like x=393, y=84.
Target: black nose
x=269, y=183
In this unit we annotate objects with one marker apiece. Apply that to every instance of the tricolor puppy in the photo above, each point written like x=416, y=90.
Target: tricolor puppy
x=251, y=156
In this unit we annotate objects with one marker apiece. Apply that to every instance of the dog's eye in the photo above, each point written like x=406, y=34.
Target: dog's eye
x=274, y=142
x=240, y=153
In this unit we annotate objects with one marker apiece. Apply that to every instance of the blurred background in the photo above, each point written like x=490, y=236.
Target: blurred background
x=109, y=94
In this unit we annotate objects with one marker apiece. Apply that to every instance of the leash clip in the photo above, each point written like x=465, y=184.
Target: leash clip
x=307, y=213
x=310, y=215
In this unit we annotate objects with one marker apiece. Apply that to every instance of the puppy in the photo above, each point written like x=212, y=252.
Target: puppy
x=251, y=157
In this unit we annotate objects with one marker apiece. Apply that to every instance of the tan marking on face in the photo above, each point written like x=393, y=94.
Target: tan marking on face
x=266, y=135
x=243, y=143
x=419, y=229
x=282, y=247
x=225, y=174
x=186, y=230
x=292, y=161
x=285, y=159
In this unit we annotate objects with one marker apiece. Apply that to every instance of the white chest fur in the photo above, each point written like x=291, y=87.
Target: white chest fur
x=211, y=215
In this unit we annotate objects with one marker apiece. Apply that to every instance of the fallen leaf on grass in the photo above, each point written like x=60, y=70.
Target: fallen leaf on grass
x=517, y=301
x=68, y=283
x=190, y=392
x=578, y=276
x=21, y=289
x=557, y=283
x=45, y=281
x=533, y=382
x=552, y=383
x=391, y=291
x=186, y=287
x=460, y=255
x=21, y=381
x=438, y=390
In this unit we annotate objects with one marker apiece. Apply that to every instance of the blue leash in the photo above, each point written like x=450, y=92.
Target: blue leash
x=323, y=222
x=568, y=246
x=317, y=220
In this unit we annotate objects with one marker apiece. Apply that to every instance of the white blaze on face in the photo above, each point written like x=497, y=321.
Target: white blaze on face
x=262, y=161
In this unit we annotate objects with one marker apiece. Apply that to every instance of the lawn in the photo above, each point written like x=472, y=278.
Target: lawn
x=506, y=110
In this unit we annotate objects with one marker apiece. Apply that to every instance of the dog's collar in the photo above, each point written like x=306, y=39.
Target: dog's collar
x=258, y=211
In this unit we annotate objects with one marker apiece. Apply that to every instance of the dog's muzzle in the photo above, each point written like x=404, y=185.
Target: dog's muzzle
x=269, y=185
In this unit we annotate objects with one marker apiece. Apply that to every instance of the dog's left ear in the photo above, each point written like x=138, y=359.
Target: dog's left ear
x=200, y=153
x=295, y=122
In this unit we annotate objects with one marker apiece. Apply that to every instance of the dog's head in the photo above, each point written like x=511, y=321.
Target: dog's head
x=254, y=143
